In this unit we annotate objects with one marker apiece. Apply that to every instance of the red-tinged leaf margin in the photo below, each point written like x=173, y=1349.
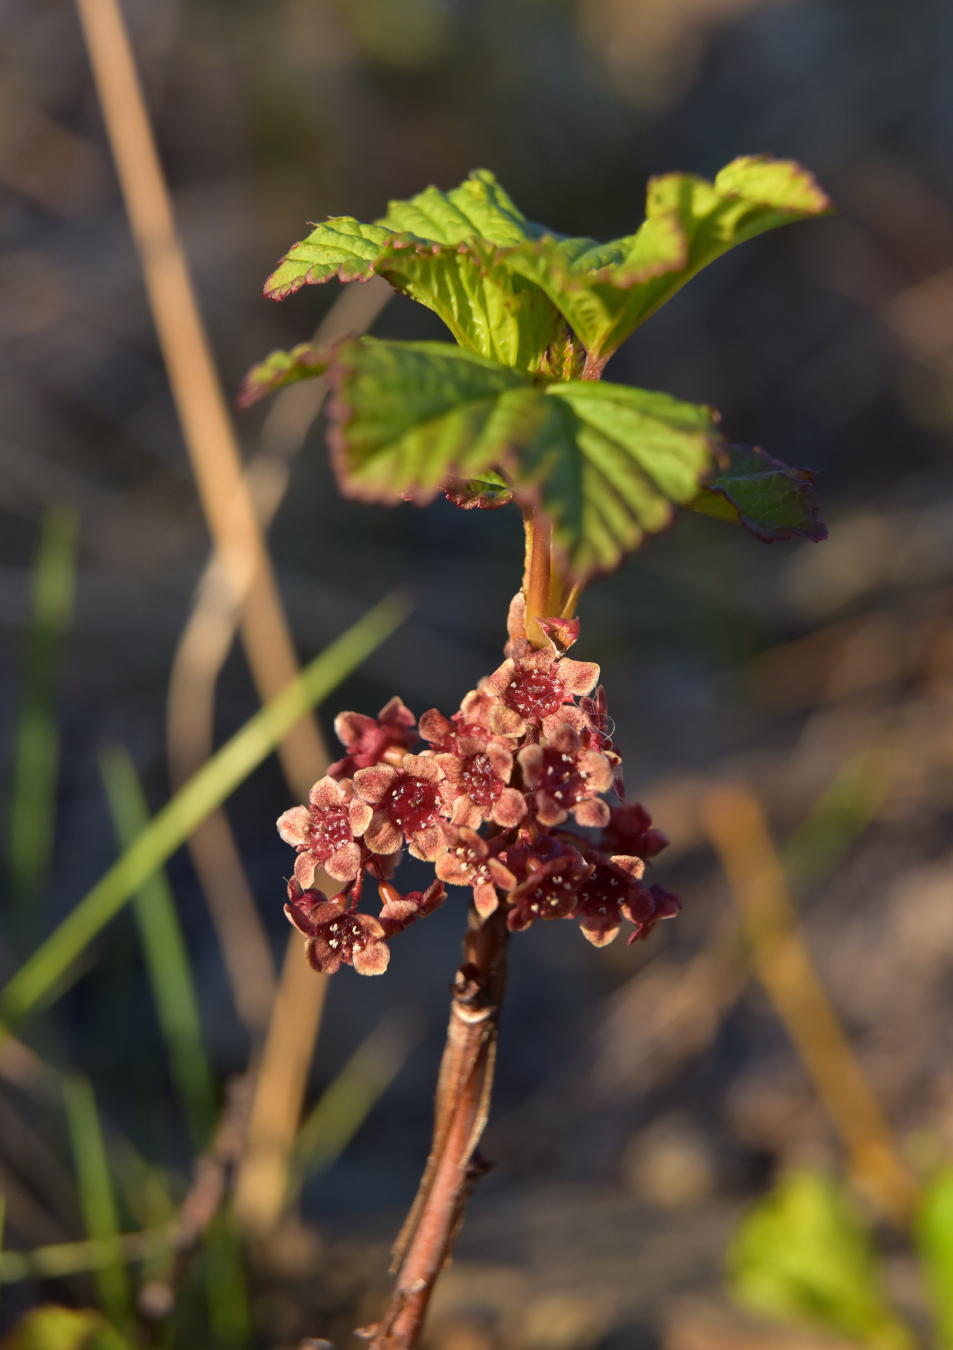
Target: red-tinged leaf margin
x=768, y=498
x=487, y=493
x=281, y=368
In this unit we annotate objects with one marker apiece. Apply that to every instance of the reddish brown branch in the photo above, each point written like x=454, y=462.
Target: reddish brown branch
x=454, y=1165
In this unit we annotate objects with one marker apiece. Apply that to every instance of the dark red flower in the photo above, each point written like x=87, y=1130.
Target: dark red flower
x=630, y=830
x=383, y=739
x=564, y=777
x=602, y=897
x=648, y=908
x=469, y=861
x=533, y=689
x=334, y=934
x=549, y=873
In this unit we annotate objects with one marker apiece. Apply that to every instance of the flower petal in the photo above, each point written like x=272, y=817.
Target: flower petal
x=294, y=826
x=434, y=727
x=501, y=759
x=579, y=677
x=425, y=767
x=349, y=727
x=531, y=762
x=635, y=867
x=599, y=937
x=396, y=712
x=382, y=835
x=321, y=957
x=427, y=844
x=373, y=959
x=591, y=814
x=509, y=808
x=344, y=863
x=549, y=811
x=306, y=864
x=359, y=815
x=372, y=783
x=326, y=793
x=452, y=766
x=485, y=899
x=516, y=618
x=500, y=679
x=506, y=721
x=466, y=812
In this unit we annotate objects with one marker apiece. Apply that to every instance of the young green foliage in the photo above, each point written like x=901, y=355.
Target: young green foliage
x=532, y=312
x=802, y=1255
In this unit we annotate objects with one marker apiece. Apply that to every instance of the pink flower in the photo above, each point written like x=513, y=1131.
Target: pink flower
x=333, y=933
x=385, y=738
x=406, y=802
x=534, y=689
x=325, y=833
x=564, y=777
x=630, y=831
x=469, y=861
x=602, y=897
x=478, y=767
x=552, y=872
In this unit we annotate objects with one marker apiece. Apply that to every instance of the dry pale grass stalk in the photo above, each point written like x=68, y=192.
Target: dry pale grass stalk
x=196, y=389
x=735, y=823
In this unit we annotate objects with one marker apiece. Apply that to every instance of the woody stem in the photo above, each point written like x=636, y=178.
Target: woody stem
x=454, y=1165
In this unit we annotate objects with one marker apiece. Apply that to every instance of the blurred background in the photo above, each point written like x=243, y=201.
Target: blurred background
x=644, y=1095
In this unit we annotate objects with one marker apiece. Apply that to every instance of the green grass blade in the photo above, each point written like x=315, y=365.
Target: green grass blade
x=349, y=1098
x=97, y=1199
x=76, y=1258
x=36, y=761
x=933, y=1235
x=206, y=790
x=845, y=808
x=165, y=952
x=226, y=1289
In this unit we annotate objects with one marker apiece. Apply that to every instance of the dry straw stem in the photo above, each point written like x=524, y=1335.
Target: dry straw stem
x=279, y=1093
x=199, y=400
x=735, y=823
x=203, y=648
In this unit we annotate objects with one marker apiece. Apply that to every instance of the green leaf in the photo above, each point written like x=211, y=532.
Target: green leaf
x=501, y=282
x=342, y=247
x=933, y=1233
x=204, y=791
x=606, y=462
x=802, y=1255
x=439, y=249
x=304, y=362
x=97, y=1199
x=51, y=1327
x=769, y=499
x=606, y=290
x=165, y=952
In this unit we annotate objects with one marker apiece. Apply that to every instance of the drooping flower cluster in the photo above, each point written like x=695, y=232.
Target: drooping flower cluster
x=528, y=749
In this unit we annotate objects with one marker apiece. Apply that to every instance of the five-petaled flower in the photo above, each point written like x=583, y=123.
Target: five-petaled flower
x=564, y=777
x=478, y=767
x=334, y=933
x=551, y=872
x=609, y=892
x=469, y=861
x=407, y=803
x=538, y=689
x=383, y=739
x=326, y=832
